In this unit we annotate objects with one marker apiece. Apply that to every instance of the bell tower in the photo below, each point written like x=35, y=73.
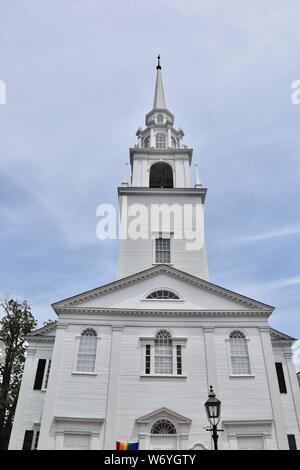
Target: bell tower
x=160, y=184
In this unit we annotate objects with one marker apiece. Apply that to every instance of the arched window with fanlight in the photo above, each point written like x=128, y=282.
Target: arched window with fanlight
x=173, y=142
x=162, y=294
x=160, y=140
x=160, y=119
x=163, y=426
x=87, y=351
x=163, y=355
x=239, y=355
x=161, y=175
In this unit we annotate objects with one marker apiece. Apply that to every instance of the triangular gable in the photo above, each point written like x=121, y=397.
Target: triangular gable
x=45, y=331
x=163, y=413
x=279, y=336
x=78, y=300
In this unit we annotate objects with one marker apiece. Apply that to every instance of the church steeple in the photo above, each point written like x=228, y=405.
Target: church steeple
x=159, y=101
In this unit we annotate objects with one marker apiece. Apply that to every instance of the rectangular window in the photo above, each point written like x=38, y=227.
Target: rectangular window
x=39, y=376
x=36, y=440
x=28, y=438
x=162, y=250
x=179, y=360
x=45, y=385
x=148, y=359
x=292, y=442
x=280, y=377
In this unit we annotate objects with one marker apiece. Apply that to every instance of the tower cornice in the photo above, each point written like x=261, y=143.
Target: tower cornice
x=163, y=152
x=123, y=191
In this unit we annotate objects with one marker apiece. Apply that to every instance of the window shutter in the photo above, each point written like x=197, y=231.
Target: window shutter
x=39, y=374
x=27, y=443
x=280, y=377
x=292, y=442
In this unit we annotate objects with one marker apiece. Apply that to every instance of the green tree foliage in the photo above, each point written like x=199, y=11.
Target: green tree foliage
x=16, y=323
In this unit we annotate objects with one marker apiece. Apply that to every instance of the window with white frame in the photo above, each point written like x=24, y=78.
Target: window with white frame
x=174, y=142
x=239, y=355
x=163, y=426
x=147, y=142
x=87, y=351
x=160, y=118
x=163, y=354
x=160, y=140
x=162, y=250
x=162, y=294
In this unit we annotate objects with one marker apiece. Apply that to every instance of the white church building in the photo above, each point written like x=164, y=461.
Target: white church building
x=133, y=360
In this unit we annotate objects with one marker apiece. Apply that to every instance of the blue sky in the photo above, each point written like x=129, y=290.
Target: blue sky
x=80, y=78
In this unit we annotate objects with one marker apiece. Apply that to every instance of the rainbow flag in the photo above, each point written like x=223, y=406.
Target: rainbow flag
x=124, y=445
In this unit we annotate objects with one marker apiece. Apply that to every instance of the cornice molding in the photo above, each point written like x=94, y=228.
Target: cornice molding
x=251, y=304
x=163, y=313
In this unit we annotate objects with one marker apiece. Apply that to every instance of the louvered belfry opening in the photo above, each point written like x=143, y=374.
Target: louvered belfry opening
x=161, y=176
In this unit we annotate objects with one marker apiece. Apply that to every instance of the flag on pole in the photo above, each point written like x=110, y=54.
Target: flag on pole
x=124, y=445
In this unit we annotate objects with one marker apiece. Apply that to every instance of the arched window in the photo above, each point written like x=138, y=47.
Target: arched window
x=161, y=175
x=147, y=142
x=174, y=142
x=163, y=294
x=163, y=426
x=160, y=118
x=163, y=353
x=87, y=351
x=160, y=141
x=239, y=355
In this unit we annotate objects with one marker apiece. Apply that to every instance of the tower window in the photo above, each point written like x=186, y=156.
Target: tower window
x=161, y=141
x=147, y=142
x=160, y=118
x=161, y=176
x=174, y=142
x=162, y=250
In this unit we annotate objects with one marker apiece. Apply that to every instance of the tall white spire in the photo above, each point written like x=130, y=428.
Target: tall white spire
x=159, y=96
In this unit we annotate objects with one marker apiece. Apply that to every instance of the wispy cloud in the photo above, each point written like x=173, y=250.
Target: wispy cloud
x=276, y=233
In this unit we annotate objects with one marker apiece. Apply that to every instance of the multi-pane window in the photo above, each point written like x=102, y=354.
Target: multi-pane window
x=36, y=440
x=87, y=351
x=174, y=142
x=148, y=359
x=162, y=294
x=160, y=118
x=147, y=142
x=163, y=426
x=163, y=353
x=162, y=250
x=160, y=140
x=42, y=374
x=47, y=375
x=240, y=363
x=179, y=359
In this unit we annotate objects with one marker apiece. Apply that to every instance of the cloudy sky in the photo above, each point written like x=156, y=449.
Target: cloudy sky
x=80, y=78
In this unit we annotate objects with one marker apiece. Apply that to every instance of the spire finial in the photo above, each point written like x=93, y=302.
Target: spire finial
x=158, y=63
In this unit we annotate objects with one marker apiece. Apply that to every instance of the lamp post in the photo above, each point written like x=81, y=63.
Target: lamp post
x=213, y=411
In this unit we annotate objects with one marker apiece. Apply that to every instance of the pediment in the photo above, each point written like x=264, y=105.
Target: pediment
x=130, y=293
x=163, y=413
x=280, y=337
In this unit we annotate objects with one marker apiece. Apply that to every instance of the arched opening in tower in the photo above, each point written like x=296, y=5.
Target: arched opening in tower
x=161, y=176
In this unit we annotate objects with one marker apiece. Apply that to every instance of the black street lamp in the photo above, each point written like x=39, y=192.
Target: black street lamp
x=213, y=411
